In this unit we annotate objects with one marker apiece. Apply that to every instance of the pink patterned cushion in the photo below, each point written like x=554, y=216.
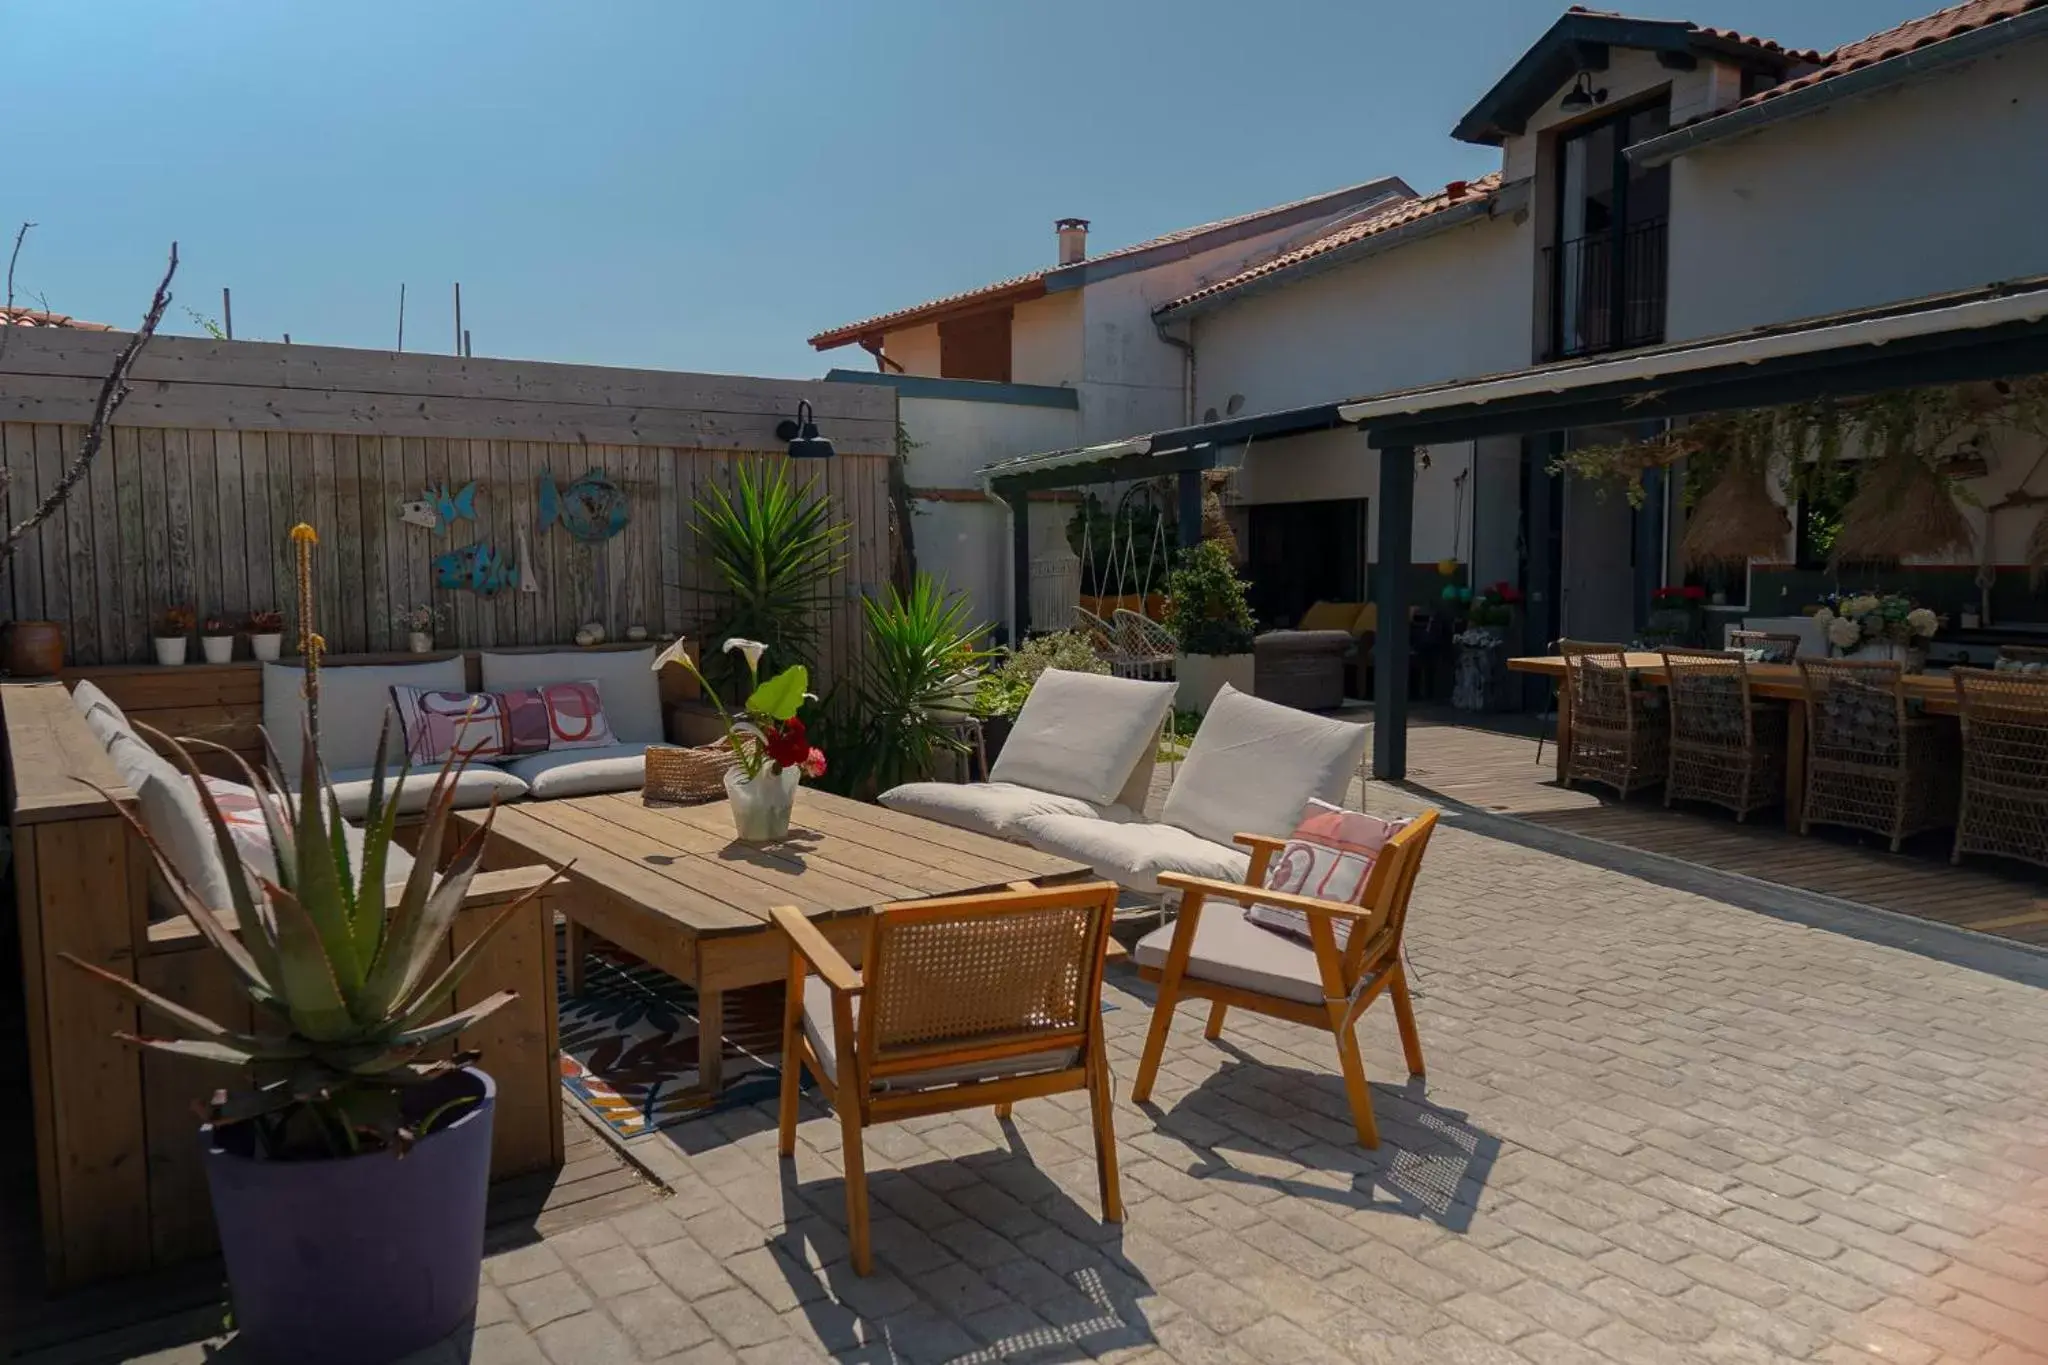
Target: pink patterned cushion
x=576, y=719
x=242, y=810
x=1329, y=856
x=476, y=725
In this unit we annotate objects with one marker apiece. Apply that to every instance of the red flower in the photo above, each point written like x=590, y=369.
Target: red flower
x=1511, y=596
x=1693, y=592
x=787, y=747
x=814, y=764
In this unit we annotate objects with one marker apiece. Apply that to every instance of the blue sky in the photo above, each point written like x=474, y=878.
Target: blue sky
x=698, y=186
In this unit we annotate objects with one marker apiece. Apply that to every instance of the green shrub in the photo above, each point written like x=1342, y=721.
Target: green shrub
x=1004, y=688
x=1205, y=603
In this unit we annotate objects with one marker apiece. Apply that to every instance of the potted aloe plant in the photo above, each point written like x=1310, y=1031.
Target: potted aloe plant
x=348, y=1173
x=771, y=750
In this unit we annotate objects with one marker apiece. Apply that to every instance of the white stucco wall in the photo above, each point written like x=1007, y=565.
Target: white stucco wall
x=1934, y=186
x=1045, y=340
x=916, y=349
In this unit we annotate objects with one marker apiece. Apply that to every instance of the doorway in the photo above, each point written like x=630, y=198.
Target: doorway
x=1302, y=553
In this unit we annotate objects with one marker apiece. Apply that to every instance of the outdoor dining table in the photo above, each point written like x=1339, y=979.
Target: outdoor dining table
x=1772, y=682
x=670, y=884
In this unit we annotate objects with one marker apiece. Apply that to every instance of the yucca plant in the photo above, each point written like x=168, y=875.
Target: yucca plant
x=773, y=544
x=916, y=681
x=343, y=977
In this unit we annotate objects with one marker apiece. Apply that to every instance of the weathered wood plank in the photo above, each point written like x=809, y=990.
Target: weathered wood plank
x=231, y=529
x=181, y=582
x=98, y=591
x=134, y=565
x=351, y=629
x=326, y=523
x=375, y=519
x=52, y=540
x=25, y=569
x=417, y=540
x=277, y=457
x=519, y=1042
x=180, y=1211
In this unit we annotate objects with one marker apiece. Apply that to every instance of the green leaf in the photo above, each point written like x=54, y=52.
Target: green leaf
x=782, y=696
x=419, y=930
x=773, y=546
x=312, y=997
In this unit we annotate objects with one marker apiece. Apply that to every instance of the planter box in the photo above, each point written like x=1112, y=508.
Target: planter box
x=1481, y=682
x=1202, y=676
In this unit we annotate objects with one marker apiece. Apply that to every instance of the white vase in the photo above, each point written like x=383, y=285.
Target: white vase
x=218, y=649
x=1201, y=676
x=760, y=805
x=170, y=649
x=268, y=646
x=1914, y=657
x=419, y=641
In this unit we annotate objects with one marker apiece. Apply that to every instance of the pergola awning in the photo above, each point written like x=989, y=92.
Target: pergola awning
x=1181, y=450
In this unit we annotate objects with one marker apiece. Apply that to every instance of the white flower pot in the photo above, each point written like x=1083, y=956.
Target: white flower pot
x=761, y=805
x=1914, y=657
x=218, y=649
x=170, y=649
x=267, y=647
x=1201, y=677
x=419, y=642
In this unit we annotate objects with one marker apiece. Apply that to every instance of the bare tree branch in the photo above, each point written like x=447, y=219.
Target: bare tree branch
x=15, y=256
x=112, y=393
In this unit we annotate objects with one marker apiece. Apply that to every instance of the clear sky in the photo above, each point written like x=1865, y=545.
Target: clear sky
x=701, y=186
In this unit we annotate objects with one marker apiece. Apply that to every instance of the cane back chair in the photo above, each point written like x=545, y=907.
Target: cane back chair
x=1726, y=747
x=2005, y=764
x=1148, y=648
x=960, y=1002
x=1214, y=953
x=1870, y=763
x=1617, y=739
x=1771, y=647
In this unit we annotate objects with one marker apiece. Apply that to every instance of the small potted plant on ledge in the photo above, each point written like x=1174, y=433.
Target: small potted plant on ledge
x=771, y=750
x=1207, y=612
x=217, y=639
x=173, y=635
x=419, y=624
x=266, y=635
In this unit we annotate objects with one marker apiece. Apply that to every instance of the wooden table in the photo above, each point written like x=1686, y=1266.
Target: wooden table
x=1773, y=682
x=671, y=885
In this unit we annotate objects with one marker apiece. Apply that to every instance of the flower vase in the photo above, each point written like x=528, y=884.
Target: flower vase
x=419, y=641
x=1914, y=657
x=761, y=804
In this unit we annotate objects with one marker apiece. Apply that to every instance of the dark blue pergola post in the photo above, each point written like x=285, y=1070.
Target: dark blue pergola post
x=1390, y=591
x=1190, y=511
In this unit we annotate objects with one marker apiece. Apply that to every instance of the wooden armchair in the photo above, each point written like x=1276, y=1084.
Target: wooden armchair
x=1215, y=953
x=961, y=1002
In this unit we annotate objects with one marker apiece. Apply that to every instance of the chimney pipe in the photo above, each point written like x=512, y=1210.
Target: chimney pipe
x=1073, y=239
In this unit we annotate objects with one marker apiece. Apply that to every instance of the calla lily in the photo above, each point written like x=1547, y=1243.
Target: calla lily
x=751, y=649
x=677, y=653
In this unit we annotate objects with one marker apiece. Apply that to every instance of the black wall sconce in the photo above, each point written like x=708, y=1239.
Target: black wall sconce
x=804, y=441
x=1582, y=95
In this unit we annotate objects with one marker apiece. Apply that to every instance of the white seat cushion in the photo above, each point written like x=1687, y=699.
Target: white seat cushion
x=1082, y=734
x=582, y=772
x=89, y=699
x=992, y=808
x=354, y=702
x=625, y=680
x=824, y=1041
x=475, y=787
x=1232, y=951
x=1255, y=765
x=1132, y=854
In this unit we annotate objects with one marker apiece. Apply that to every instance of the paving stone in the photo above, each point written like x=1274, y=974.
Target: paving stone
x=687, y=1268
x=551, y=1296
x=586, y=1339
x=658, y=1321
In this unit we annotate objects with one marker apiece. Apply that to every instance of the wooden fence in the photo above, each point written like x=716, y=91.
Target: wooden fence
x=224, y=445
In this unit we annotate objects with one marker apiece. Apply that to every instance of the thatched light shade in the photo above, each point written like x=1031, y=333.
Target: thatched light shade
x=1735, y=521
x=1903, y=509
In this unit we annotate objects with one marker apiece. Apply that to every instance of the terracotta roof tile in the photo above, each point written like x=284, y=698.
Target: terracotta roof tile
x=1895, y=42
x=36, y=317
x=1399, y=215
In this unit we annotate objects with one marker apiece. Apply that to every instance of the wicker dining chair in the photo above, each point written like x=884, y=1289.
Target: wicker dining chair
x=1726, y=747
x=1870, y=764
x=1215, y=953
x=2023, y=654
x=2004, y=807
x=1616, y=737
x=1772, y=647
x=1148, y=648
x=960, y=1003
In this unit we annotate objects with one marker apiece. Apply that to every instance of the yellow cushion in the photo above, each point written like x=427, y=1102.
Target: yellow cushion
x=1329, y=616
x=1368, y=619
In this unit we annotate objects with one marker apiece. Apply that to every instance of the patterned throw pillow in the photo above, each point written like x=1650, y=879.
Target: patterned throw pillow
x=477, y=725
x=241, y=808
x=1329, y=856
x=576, y=719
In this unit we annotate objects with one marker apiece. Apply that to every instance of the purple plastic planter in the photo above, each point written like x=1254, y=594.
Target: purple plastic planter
x=360, y=1260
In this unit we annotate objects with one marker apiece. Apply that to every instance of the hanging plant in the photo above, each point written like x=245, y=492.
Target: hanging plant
x=1732, y=517
x=1904, y=507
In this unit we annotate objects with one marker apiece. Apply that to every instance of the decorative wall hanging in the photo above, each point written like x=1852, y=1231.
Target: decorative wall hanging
x=592, y=508
x=529, y=581
x=481, y=568
x=439, y=507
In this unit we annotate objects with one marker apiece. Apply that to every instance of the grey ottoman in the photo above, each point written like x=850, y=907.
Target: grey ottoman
x=1301, y=668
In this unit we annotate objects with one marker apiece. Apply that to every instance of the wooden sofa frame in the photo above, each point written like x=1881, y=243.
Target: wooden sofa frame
x=119, y=1175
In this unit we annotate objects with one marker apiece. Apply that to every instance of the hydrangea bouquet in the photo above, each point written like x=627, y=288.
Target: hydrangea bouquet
x=1851, y=621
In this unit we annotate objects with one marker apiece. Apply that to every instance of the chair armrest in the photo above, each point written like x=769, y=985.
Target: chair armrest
x=816, y=949
x=1265, y=841
x=1259, y=895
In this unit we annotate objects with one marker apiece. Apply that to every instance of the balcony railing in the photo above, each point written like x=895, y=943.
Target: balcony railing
x=1608, y=290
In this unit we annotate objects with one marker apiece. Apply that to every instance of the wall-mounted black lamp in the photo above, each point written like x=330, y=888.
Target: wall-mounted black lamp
x=1582, y=95
x=804, y=441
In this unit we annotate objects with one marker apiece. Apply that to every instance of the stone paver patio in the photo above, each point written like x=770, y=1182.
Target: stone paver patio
x=1659, y=1126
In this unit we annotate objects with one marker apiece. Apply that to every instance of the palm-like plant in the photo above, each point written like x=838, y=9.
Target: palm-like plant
x=774, y=544
x=344, y=979
x=916, y=681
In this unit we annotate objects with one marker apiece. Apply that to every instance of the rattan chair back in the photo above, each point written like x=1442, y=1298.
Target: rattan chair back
x=1870, y=764
x=2005, y=764
x=1772, y=647
x=1726, y=747
x=1708, y=691
x=1614, y=739
x=1855, y=710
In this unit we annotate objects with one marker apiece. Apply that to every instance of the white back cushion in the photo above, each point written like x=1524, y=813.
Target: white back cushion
x=172, y=813
x=1255, y=765
x=353, y=703
x=89, y=699
x=625, y=680
x=1081, y=734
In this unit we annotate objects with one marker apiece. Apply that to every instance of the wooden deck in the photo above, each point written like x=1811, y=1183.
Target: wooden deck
x=1493, y=770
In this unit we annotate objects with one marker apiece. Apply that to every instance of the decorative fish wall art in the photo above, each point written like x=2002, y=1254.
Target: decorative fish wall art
x=592, y=508
x=482, y=568
x=438, y=507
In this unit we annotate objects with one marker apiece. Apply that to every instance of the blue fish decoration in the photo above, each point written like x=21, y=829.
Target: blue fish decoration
x=592, y=508
x=438, y=507
x=481, y=568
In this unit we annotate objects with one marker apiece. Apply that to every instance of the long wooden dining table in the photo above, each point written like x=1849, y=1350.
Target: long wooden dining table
x=1772, y=682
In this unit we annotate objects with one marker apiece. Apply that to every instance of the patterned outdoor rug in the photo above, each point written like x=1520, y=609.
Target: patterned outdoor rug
x=629, y=1043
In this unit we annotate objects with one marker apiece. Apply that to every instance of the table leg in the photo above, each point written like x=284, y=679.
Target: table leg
x=1795, y=764
x=576, y=945
x=1564, y=729
x=710, y=1039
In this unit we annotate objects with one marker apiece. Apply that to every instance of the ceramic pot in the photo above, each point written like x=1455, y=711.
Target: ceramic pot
x=35, y=649
x=170, y=649
x=359, y=1259
x=419, y=642
x=1201, y=676
x=218, y=649
x=760, y=805
x=1914, y=657
x=268, y=646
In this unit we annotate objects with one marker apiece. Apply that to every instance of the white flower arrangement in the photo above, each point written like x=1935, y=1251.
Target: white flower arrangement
x=1844, y=633
x=1866, y=618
